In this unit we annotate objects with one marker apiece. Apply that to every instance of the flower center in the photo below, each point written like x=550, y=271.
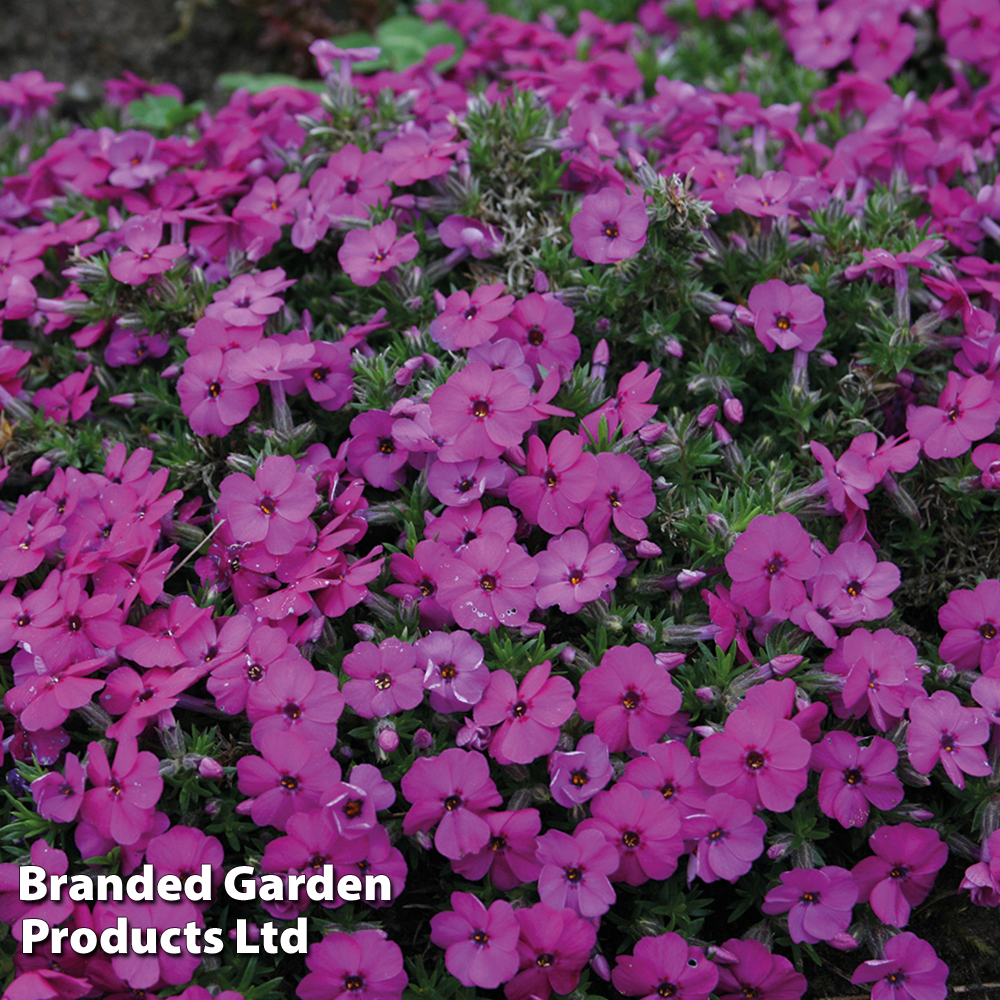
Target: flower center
x=574, y=874
x=351, y=186
x=631, y=700
x=497, y=843
x=613, y=500
x=953, y=413
x=292, y=711
x=545, y=960
x=717, y=834
x=427, y=587
x=666, y=990
x=268, y=506
x=783, y=322
x=610, y=230
x=755, y=760
x=470, y=313
x=630, y=839
x=575, y=576
x=289, y=782
x=465, y=484
x=452, y=802
x=386, y=446
x=899, y=872
x=988, y=631
x=853, y=776
x=480, y=409
x=579, y=777
x=535, y=336
x=114, y=787
x=23, y=619
x=895, y=978
x=809, y=897
x=948, y=742
x=519, y=710
x=667, y=791
x=383, y=682
x=255, y=672
x=353, y=983
x=487, y=582
x=854, y=588
x=75, y=623
x=750, y=993
x=480, y=937
x=447, y=671
x=775, y=566
x=353, y=808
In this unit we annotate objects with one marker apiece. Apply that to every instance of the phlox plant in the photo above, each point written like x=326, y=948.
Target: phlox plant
x=548, y=471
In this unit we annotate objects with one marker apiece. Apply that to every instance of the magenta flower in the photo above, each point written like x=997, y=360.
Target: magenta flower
x=623, y=495
x=528, y=716
x=786, y=316
x=553, y=948
x=571, y=573
x=669, y=768
x=767, y=196
x=558, y=483
x=296, y=698
x=910, y=970
x=459, y=484
x=644, y=831
x=44, y=699
x=249, y=299
x=854, y=777
x=941, y=729
x=768, y=563
x=479, y=412
x=819, y=902
x=367, y=254
x=665, y=966
x=629, y=698
x=580, y=774
x=470, y=320
x=982, y=878
x=758, y=973
x=610, y=226
x=210, y=398
x=68, y=399
x=480, y=945
x=854, y=585
x=13, y=910
x=966, y=411
x=971, y=619
x=493, y=584
x=123, y=795
x=543, y=327
x=359, y=966
x=901, y=873
x=273, y=507
x=509, y=854
x=480, y=238
x=385, y=678
x=420, y=580
x=144, y=256
x=451, y=791
x=730, y=837
x=575, y=871
x=759, y=758
x=57, y=797
x=455, y=673
x=848, y=478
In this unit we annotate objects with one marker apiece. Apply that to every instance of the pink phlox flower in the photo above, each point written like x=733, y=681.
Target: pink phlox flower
x=970, y=29
x=297, y=698
x=144, y=257
x=132, y=156
x=420, y=579
x=26, y=94
x=644, y=831
x=966, y=411
x=457, y=527
x=373, y=452
x=528, y=716
x=506, y=354
x=137, y=699
x=911, y=970
x=986, y=458
x=971, y=620
x=123, y=795
x=182, y=850
x=327, y=377
x=509, y=854
x=986, y=692
x=480, y=238
x=629, y=407
x=13, y=910
x=982, y=878
x=571, y=573
x=455, y=673
x=249, y=299
x=575, y=870
x=884, y=44
x=610, y=226
x=58, y=797
x=819, y=902
x=349, y=809
x=854, y=585
x=787, y=316
x=553, y=948
x=275, y=359
x=622, y=495
x=902, y=871
x=731, y=620
x=155, y=642
x=558, y=483
x=493, y=584
x=880, y=676
x=210, y=397
x=771, y=195
x=350, y=183
x=67, y=399
x=893, y=455
x=27, y=536
x=366, y=254
x=416, y=154
x=288, y=777
x=451, y=791
x=468, y=321
x=757, y=757
x=543, y=326
x=272, y=507
x=847, y=478
x=578, y=775
x=668, y=769
x=359, y=966
x=460, y=483
x=730, y=837
x=479, y=412
x=942, y=729
x=230, y=681
x=480, y=945
x=665, y=966
x=768, y=563
x=629, y=698
x=273, y=201
x=209, y=332
x=854, y=777
x=758, y=973
x=385, y=679
x=412, y=429
x=214, y=642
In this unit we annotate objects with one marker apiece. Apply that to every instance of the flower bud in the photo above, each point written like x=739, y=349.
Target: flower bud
x=126, y=400
x=648, y=550
x=540, y=282
x=669, y=661
x=210, y=768
x=721, y=322
x=672, y=346
x=422, y=739
x=706, y=695
x=422, y=839
x=365, y=632
x=599, y=965
x=243, y=807
x=785, y=663
x=388, y=739
x=707, y=415
x=717, y=523
x=843, y=941
x=40, y=466
x=688, y=578
x=733, y=410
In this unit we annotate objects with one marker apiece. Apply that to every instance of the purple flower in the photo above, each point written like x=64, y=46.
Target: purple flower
x=249, y=299
x=543, y=327
x=528, y=716
x=965, y=412
x=786, y=316
x=296, y=698
x=553, y=948
x=982, y=878
x=623, y=495
x=818, y=901
x=758, y=973
x=144, y=256
x=366, y=254
x=571, y=573
x=729, y=838
x=669, y=768
x=575, y=871
x=358, y=966
x=451, y=791
x=629, y=698
x=848, y=478
x=854, y=585
x=579, y=775
x=480, y=238
x=854, y=776
x=508, y=856
x=901, y=873
x=910, y=970
x=421, y=578
x=459, y=484
x=470, y=320
x=385, y=679
x=454, y=671
x=610, y=226
x=480, y=945
x=123, y=795
x=665, y=966
x=941, y=729
x=59, y=798
x=210, y=398
x=971, y=619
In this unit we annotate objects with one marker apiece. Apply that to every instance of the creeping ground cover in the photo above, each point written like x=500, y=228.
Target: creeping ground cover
x=518, y=516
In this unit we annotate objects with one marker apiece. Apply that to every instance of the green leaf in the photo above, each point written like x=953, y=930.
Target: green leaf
x=163, y=112
x=405, y=40
x=257, y=83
